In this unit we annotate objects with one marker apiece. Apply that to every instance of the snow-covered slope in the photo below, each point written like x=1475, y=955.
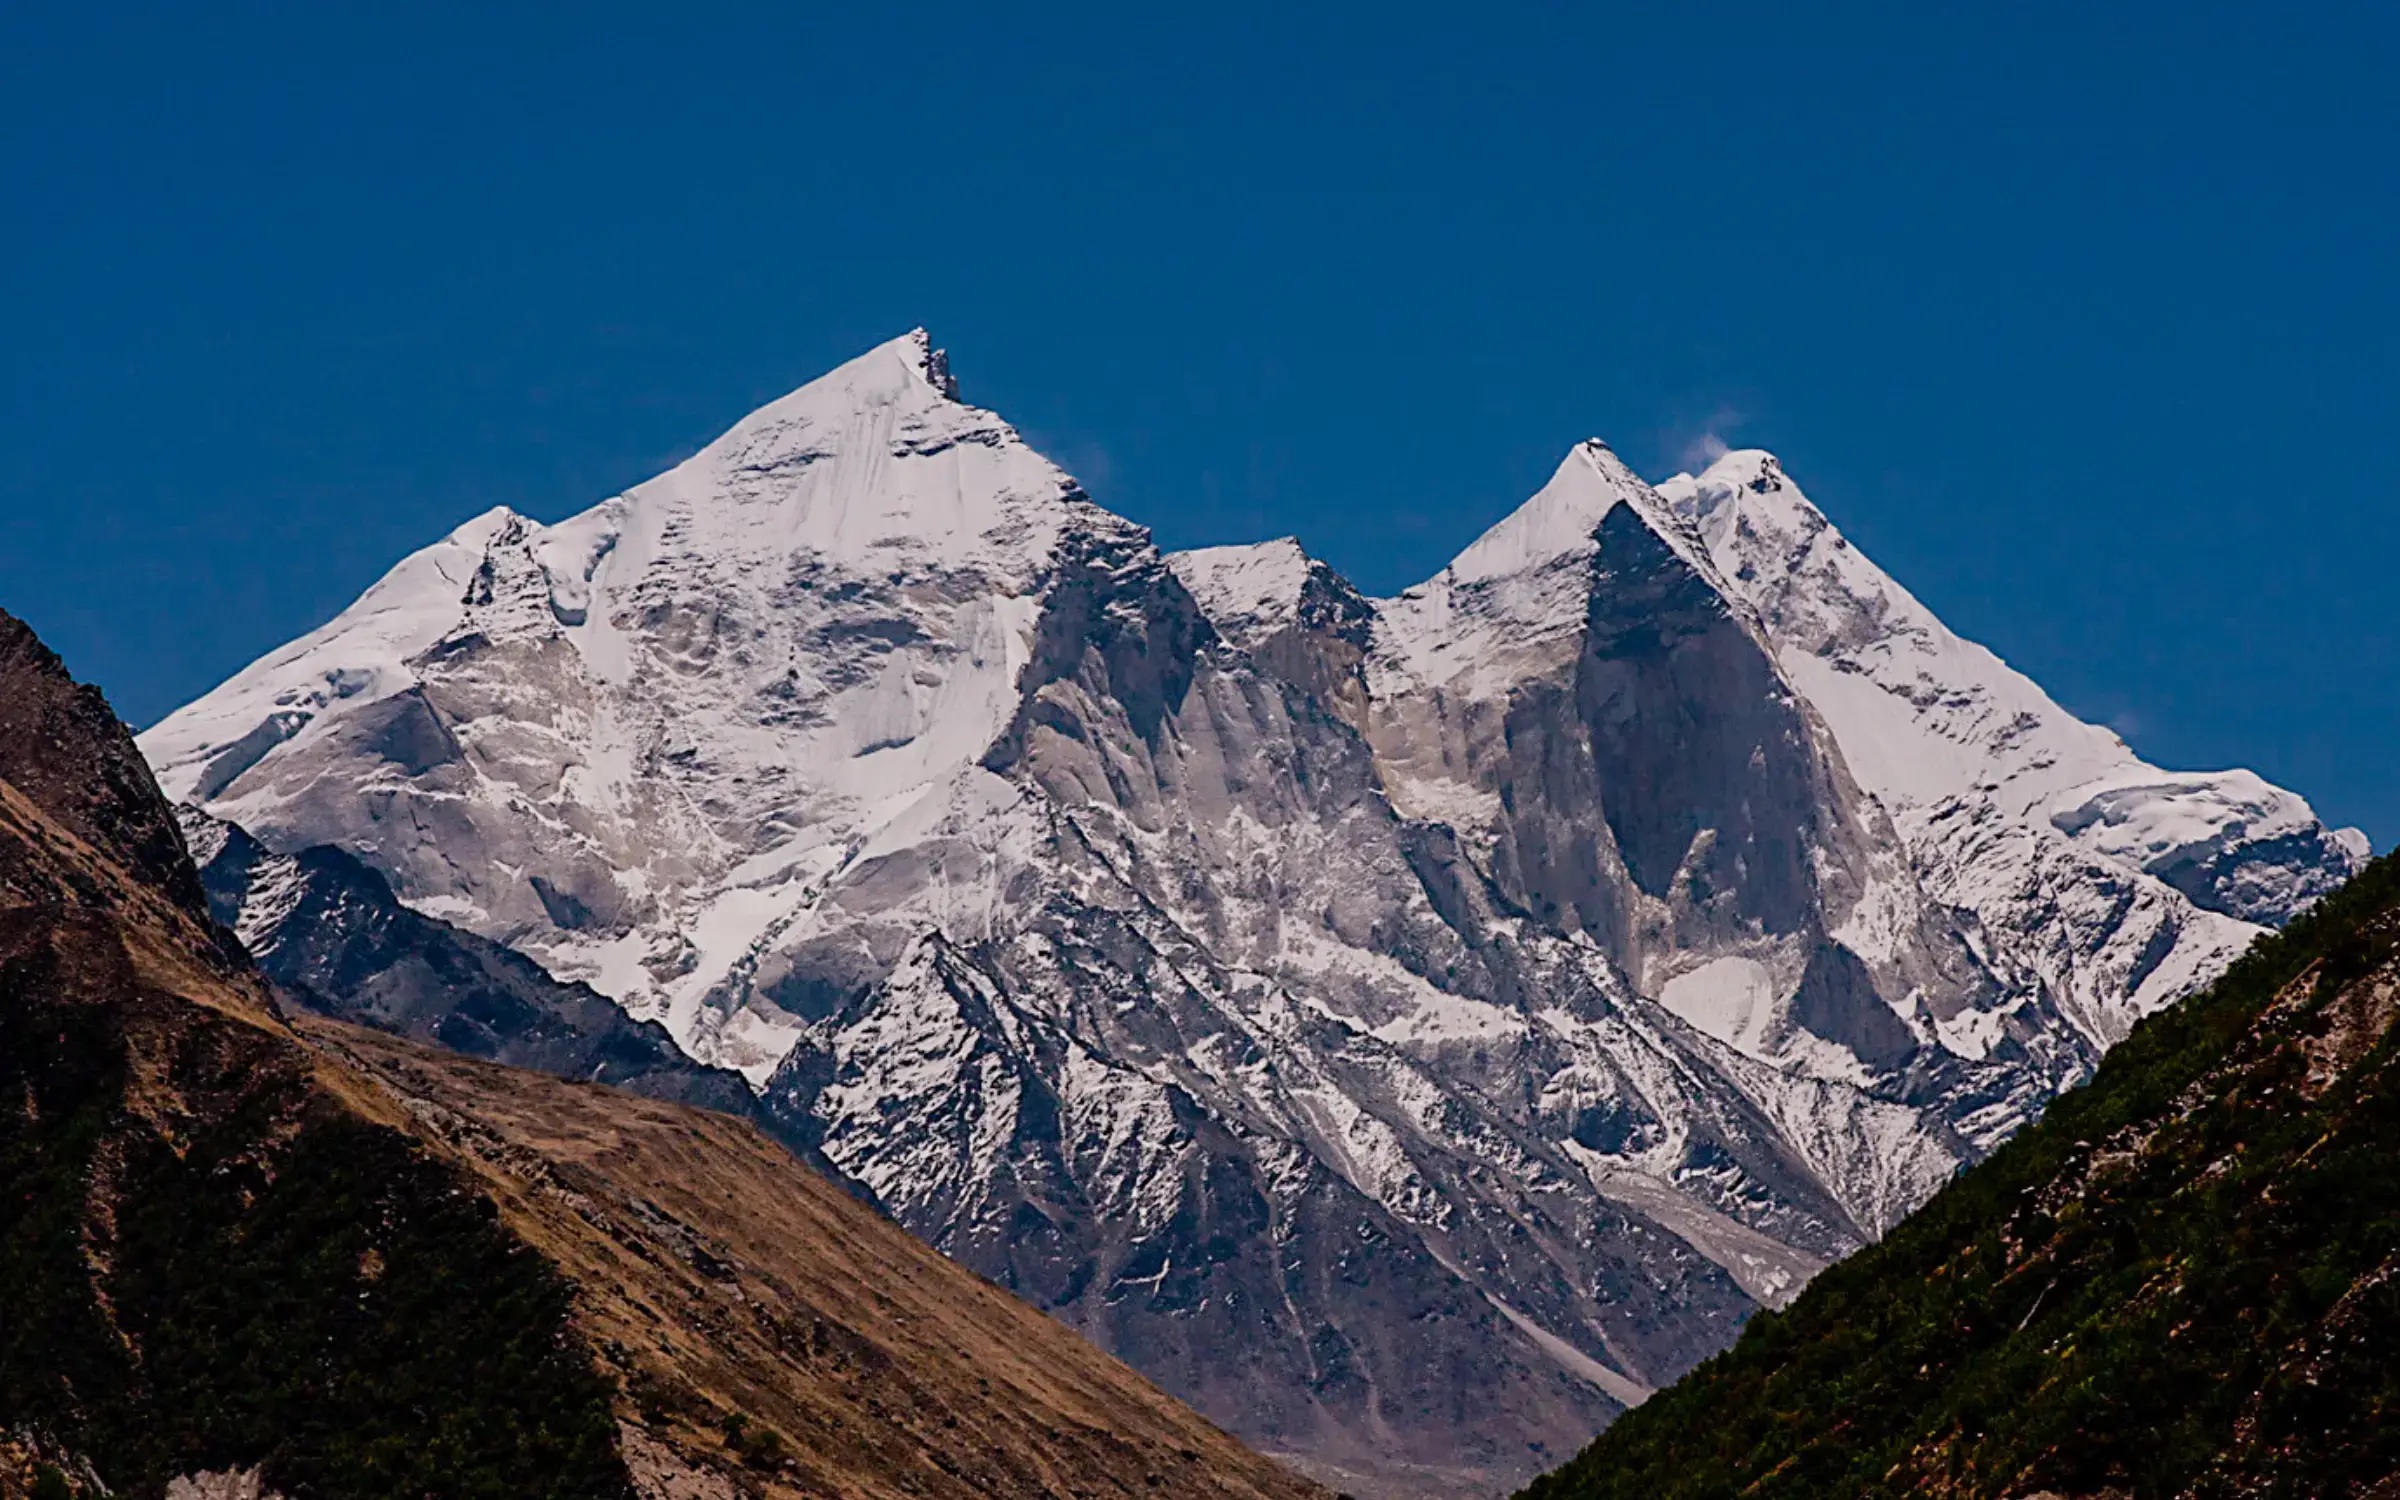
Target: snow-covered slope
x=1408, y=1029
x=637, y=743
x=2005, y=800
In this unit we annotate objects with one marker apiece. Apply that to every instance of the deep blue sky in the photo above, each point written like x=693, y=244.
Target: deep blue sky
x=2084, y=327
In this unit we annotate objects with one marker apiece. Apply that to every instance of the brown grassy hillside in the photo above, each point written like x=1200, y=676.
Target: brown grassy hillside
x=720, y=1276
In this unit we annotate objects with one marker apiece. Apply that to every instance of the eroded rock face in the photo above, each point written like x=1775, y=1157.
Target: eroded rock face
x=660, y=1473
x=1410, y=1029
x=242, y=1484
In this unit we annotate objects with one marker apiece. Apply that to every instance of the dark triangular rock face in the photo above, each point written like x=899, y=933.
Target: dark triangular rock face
x=1675, y=728
x=1692, y=731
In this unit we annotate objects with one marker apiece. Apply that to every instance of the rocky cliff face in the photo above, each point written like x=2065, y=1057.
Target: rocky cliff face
x=326, y=929
x=1410, y=1029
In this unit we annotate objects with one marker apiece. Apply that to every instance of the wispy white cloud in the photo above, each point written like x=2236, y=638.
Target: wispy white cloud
x=1702, y=451
x=1695, y=451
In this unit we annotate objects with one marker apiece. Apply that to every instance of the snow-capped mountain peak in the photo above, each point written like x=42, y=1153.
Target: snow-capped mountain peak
x=699, y=699
x=1519, y=593
x=875, y=459
x=1407, y=1028
x=1559, y=521
x=1929, y=721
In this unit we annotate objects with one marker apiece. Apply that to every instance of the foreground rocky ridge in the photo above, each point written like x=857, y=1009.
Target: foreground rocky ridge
x=246, y=1257
x=1410, y=1029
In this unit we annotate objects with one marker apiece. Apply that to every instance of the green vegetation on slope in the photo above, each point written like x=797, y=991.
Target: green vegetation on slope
x=2185, y=1280
x=211, y=1265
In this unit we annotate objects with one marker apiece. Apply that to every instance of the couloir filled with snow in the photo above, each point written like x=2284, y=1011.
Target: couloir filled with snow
x=1410, y=1029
